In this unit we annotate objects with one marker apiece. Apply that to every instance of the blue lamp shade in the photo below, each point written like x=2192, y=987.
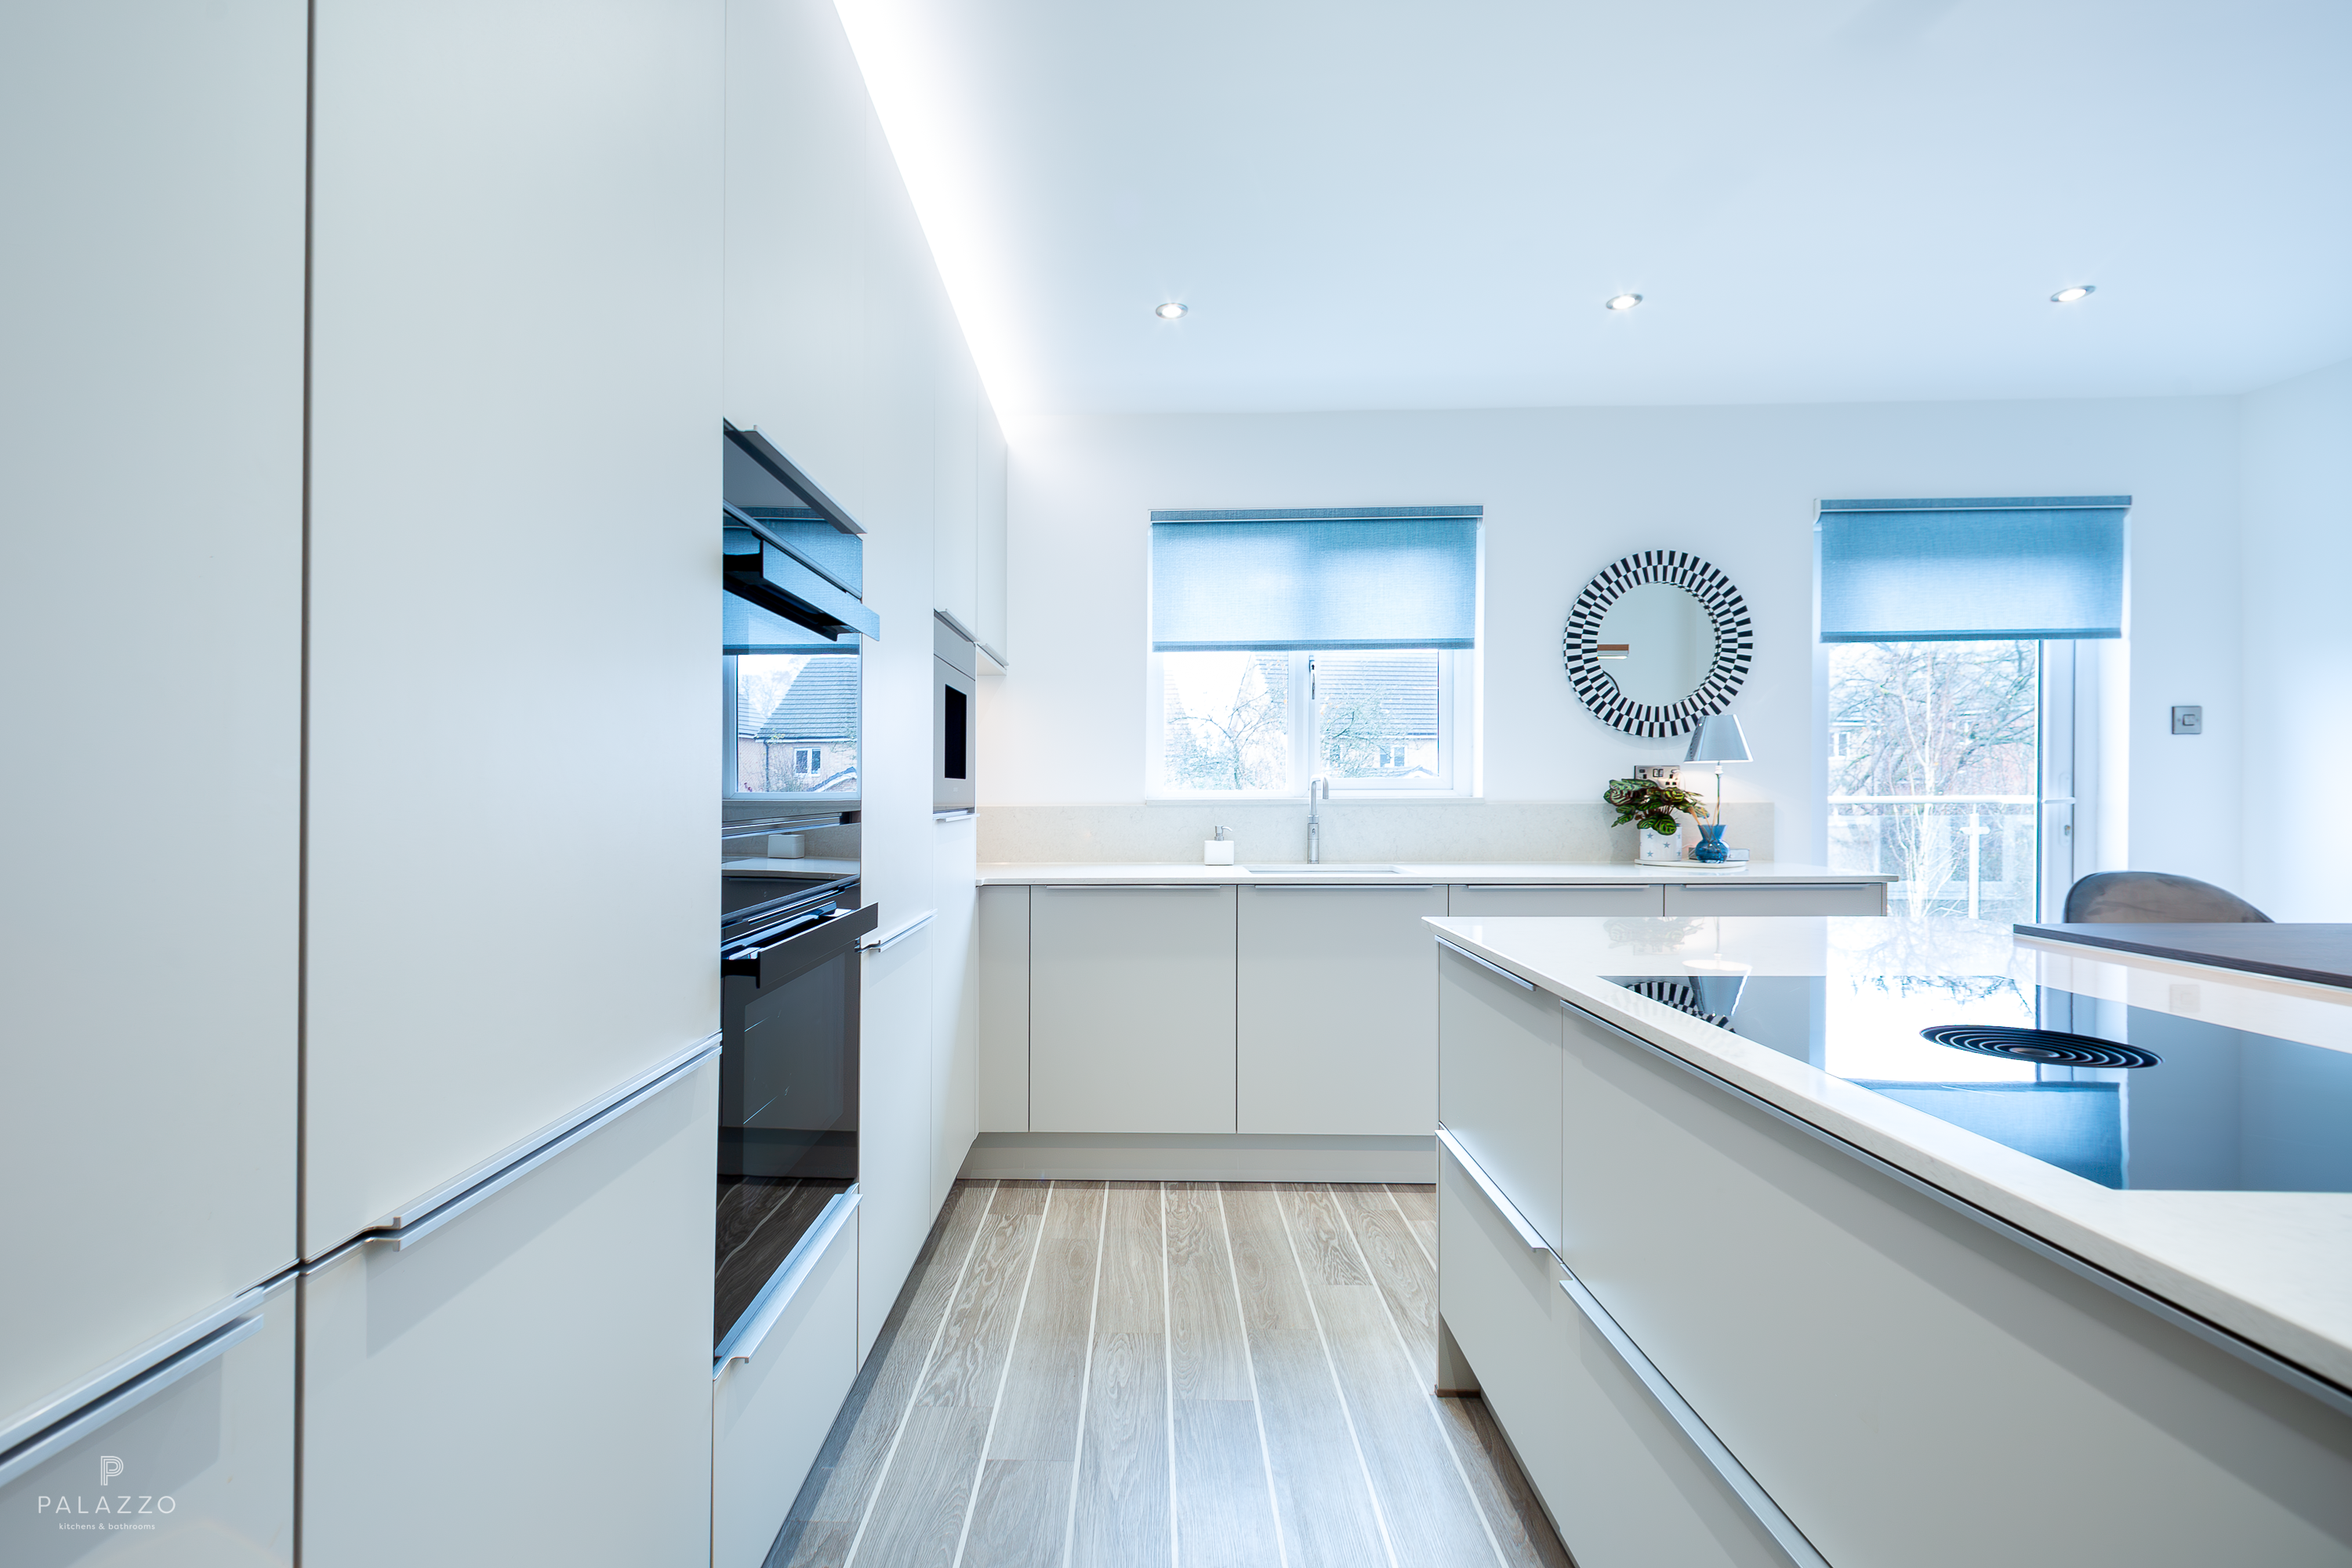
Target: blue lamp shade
x=1717, y=739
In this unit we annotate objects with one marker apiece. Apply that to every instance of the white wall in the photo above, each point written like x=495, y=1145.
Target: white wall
x=2297, y=556
x=1568, y=490
x=842, y=347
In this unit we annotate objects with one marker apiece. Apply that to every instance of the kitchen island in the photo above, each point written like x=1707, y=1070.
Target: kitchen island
x=1269, y=1021
x=1749, y=1272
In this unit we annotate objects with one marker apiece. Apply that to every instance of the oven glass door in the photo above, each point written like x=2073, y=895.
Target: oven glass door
x=788, y=1092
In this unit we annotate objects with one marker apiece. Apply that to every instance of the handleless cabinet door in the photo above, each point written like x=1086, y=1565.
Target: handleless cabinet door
x=151, y=665
x=1131, y=1009
x=1338, y=1013
x=1734, y=897
x=1499, y=1082
x=1598, y=899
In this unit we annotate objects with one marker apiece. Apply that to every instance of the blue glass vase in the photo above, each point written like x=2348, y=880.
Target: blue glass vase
x=1710, y=847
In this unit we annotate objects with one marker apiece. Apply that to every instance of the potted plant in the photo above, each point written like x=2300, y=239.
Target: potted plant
x=1652, y=803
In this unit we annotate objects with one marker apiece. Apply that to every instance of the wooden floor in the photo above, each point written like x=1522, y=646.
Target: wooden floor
x=1204, y=1374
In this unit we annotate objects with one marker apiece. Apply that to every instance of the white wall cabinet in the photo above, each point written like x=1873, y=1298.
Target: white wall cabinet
x=1131, y=1009
x=1333, y=1037
x=994, y=625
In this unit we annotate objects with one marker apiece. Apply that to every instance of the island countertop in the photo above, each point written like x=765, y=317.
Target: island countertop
x=1471, y=873
x=2273, y=1268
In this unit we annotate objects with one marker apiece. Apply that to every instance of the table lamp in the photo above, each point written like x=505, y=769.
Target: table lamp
x=1717, y=740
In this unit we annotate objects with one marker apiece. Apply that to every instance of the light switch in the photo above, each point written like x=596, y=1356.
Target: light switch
x=2189, y=720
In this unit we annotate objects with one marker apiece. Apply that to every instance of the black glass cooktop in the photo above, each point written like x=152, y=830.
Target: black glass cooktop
x=2125, y=1096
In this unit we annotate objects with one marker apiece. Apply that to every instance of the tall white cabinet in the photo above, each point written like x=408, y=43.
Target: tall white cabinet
x=151, y=557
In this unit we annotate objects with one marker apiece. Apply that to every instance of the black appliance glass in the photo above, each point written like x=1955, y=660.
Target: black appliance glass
x=788, y=1080
x=2217, y=1108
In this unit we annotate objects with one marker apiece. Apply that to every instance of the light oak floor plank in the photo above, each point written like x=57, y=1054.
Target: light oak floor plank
x=1120, y=1513
x=1321, y=1493
x=1431, y=1517
x=843, y=1477
x=1173, y=1456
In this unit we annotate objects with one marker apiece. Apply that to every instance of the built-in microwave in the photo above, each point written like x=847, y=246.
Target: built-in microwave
x=955, y=710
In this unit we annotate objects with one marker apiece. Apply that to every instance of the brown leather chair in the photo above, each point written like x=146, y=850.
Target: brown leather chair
x=2154, y=898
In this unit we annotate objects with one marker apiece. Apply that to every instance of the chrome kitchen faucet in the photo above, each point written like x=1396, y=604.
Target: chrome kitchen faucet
x=1315, y=822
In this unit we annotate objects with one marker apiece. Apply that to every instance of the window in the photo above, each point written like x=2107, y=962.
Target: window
x=1952, y=630
x=1292, y=646
x=792, y=722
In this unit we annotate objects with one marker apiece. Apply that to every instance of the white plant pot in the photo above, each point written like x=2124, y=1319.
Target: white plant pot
x=1659, y=846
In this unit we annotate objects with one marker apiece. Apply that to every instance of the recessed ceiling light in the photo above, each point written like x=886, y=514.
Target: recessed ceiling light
x=2068, y=296
x=1170, y=310
x=1622, y=301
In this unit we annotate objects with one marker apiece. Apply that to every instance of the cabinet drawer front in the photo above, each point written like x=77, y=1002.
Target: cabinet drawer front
x=1858, y=1346
x=1739, y=898
x=1622, y=1485
x=1499, y=1082
x=1337, y=1011
x=769, y=1415
x=1617, y=898
x=1131, y=1009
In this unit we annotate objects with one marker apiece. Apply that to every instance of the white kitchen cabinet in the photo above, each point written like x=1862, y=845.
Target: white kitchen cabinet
x=1624, y=1485
x=529, y=1383
x=1499, y=1081
x=995, y=542
x=1476, y=899
x=1131, y=1009
x=770, y=1414
x=1856, y=1346
x=1337, y=1009
x=150, y=663
x=1004, y=1009
x=203, y=1466
x=1735, y=895
x=955, y=1003
x=955, y=480
x=513, y=402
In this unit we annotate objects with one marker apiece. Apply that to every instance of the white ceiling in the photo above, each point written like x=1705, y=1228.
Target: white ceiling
x=1381, y=205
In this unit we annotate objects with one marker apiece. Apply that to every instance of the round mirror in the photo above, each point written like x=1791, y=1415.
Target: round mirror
x=1657, y=642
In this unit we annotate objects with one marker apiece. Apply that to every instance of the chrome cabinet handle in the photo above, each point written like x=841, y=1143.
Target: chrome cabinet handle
x=1137, y=886
x=870, y=942
x=744, y=1340
x=1522, y=984
x=1340, y=887
x=1558, y=887
x=502, y=1172
x=56, y=1439
x=1477, y=1173
x=1676, y=1408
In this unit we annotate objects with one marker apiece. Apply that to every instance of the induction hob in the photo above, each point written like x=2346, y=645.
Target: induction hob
x=2209, y=1108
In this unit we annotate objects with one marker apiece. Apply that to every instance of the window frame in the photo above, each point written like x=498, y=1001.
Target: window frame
x=1458, y=671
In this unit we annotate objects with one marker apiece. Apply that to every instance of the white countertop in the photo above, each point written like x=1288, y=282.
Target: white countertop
x=1538, y=874
x=2273, y=1268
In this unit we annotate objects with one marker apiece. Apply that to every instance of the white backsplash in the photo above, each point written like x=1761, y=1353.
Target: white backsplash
x=1421, y=831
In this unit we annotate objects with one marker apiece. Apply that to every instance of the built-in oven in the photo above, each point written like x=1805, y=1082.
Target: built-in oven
x=788, y=1076
x=791, y=913
x=955, y=710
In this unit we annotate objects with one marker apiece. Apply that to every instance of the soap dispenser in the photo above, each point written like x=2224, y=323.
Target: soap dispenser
x=1217, y=852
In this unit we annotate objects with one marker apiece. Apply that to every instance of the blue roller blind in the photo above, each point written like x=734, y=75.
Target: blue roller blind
x=1376, y=577
x=1949, y=571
